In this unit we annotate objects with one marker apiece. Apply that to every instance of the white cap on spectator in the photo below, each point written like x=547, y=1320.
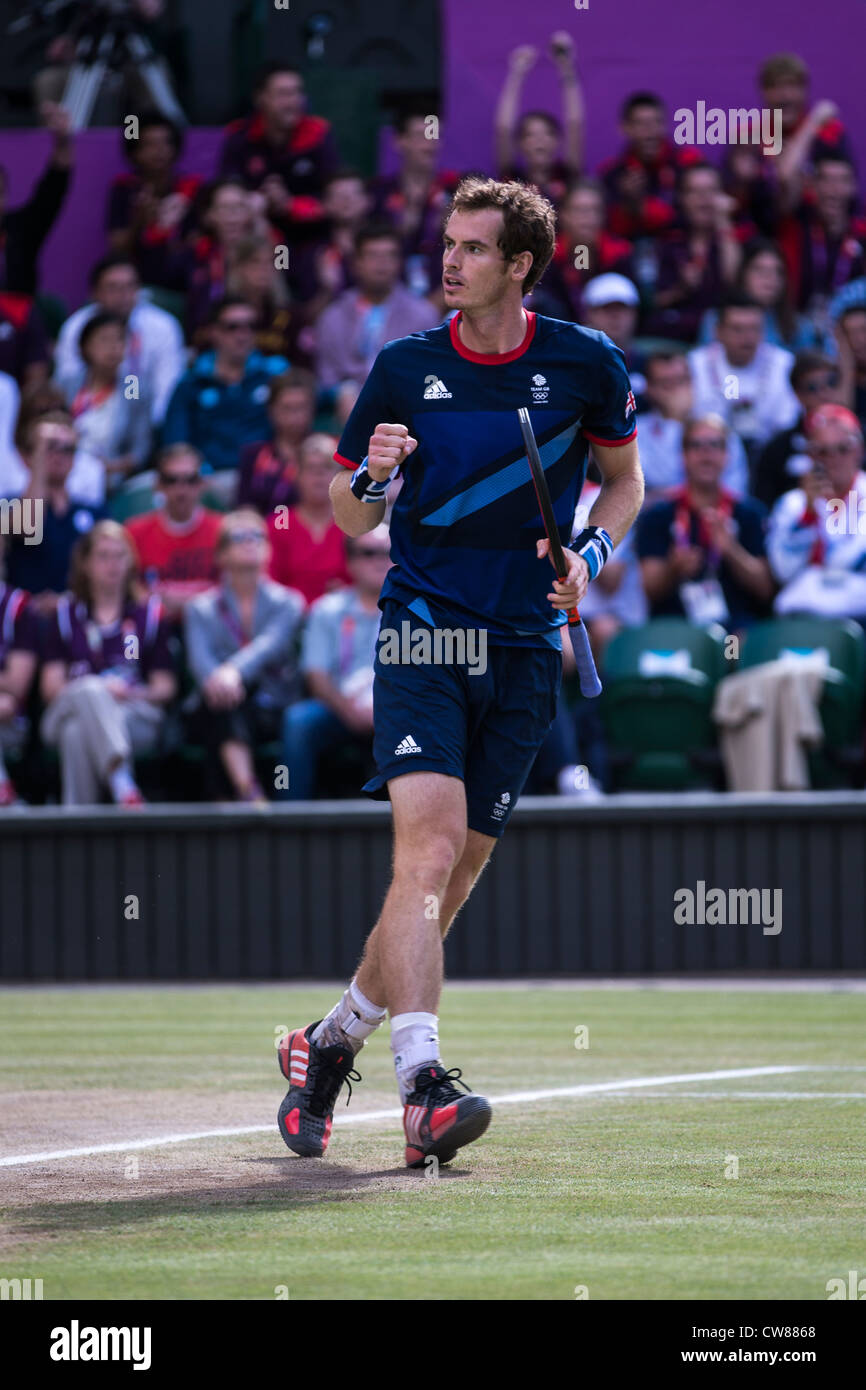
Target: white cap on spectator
x=610, y=289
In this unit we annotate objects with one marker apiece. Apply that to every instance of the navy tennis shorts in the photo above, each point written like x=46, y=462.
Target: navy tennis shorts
x=485, y=728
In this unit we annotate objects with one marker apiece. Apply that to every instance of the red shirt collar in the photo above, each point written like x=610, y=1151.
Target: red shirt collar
x=492, y=358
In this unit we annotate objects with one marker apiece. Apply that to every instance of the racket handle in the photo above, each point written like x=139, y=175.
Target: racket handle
x=590, y=685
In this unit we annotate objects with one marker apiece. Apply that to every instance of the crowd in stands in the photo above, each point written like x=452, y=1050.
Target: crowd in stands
x=191, y=589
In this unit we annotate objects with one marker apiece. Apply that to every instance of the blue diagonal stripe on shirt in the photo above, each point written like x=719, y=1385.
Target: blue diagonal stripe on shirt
x=508, y=479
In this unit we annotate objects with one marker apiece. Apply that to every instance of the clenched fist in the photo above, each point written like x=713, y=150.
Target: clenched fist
x=389, y=445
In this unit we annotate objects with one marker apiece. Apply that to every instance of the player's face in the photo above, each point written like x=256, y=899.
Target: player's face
x=474, y=271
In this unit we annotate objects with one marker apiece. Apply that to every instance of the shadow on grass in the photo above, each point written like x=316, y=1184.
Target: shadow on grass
x=263, y=1184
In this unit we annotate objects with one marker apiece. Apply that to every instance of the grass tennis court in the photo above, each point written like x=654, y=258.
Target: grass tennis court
x=623, y=1191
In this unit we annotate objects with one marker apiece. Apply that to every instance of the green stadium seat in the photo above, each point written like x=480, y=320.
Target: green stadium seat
x=659, y=683
x=841, y=706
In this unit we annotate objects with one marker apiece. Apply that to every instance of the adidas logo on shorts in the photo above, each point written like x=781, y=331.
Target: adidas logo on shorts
x=407, y=745
x=435, y=390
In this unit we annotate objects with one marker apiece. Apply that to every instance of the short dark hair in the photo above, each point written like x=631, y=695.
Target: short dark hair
x=376, y=231
x=700, y=166
x=296, y=379
x=810, y=360
x=340, y=175
x=665, y=355
x=106, y=263
x=228, y=301
x=736, y=299
x=637, y=99
x=153, y=120
x=273, y=69
x=93, y=325
x=528, y=219
x=170, y=452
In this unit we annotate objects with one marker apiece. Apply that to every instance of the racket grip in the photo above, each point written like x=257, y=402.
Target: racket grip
x=590, y=685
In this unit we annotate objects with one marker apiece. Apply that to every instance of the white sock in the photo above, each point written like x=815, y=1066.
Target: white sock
x=121, y=781
x=350, y=1022
x=414, y=1043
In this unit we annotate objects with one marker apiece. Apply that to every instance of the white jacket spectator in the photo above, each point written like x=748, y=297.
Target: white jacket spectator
x=156, y=353
x=754, y=398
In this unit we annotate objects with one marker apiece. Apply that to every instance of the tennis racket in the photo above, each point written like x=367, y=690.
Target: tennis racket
x=590, y=685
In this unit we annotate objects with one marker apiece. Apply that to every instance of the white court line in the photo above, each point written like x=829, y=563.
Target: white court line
x=370, y=1116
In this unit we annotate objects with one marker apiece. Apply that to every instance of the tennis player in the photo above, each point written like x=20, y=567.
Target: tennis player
x=455, y=739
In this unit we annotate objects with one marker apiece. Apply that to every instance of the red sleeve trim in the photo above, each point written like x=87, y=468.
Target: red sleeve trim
x=347, y=463
x=609, y=443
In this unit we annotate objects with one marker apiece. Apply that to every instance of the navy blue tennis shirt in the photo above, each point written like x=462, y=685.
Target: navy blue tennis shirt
x=465, y=523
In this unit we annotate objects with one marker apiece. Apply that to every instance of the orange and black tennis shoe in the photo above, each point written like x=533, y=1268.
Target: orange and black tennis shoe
x=438, y=1119
x=315, y=1076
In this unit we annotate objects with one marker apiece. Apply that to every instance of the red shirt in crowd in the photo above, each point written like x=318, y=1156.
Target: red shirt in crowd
x=300, y=560
x=176, y=559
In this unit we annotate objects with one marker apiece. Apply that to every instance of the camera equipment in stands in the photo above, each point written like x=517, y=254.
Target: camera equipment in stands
x=108, y=39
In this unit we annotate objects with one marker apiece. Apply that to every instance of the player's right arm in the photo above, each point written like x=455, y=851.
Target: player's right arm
x=388, y=447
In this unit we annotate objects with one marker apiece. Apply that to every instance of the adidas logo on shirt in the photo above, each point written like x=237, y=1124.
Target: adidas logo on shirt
x=407, y=745
x=435, y=390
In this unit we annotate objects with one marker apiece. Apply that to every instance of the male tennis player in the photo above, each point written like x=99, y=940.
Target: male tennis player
x=454, y=743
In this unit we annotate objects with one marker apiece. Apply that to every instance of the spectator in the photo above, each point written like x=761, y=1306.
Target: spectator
x=610, y=305
x=583, y=250
x=269, y=468
x=23, y=230
x=701, y=550
x=228, y=216
x=112, y=419
x=414, y=199
x=240, y=641
x=641, y=181
x=817, y=539
x=670, y=395
x=699, y=257
x=337, y=656
x=220, y=403
x=150, y=208
x=763, y=277
x=24, y=351
x=538, y=134
x=87, y=479
x=822, y=236
x=356, y=326
x=11, y=468
x=107, y=675
x=850, y=336
x=815, y=381
x=253, y=276
x=283, y=151
x=19, y=647
x=320, y=270
x=155, y=351
x=308, y=547
x=43, y=569
x=784, y=82
x=176, y=542
x=743, y=378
